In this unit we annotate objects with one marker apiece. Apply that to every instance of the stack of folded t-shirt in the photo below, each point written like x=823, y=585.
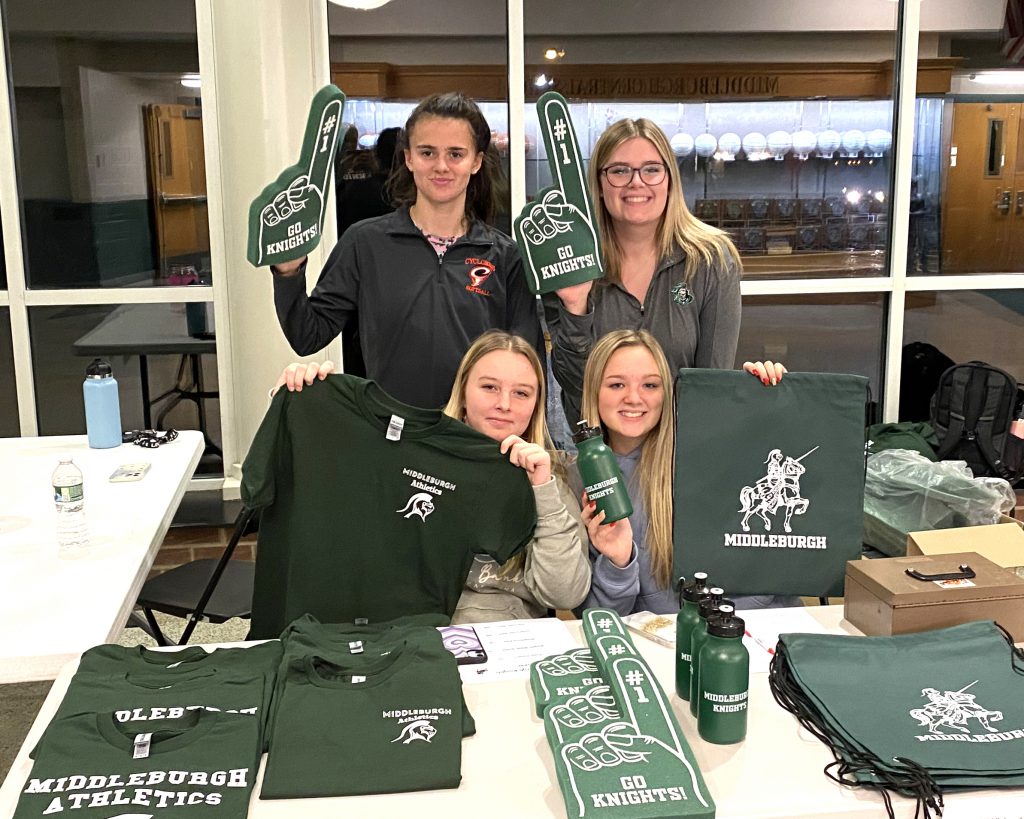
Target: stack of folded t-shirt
x=365, y=709
x=142, y=732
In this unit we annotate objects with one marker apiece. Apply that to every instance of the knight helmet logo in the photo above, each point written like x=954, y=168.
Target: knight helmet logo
x=778, y=488
x=953, y=709
x=421, y=504
x=420, y=729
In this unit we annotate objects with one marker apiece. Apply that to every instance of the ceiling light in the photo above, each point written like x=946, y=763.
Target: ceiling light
x=191, y=81
x=554, y=53
x=362, y=5
x=998, y=77
x=543, y=81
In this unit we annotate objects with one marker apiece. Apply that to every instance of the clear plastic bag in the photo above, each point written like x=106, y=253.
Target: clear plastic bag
x=905, y=492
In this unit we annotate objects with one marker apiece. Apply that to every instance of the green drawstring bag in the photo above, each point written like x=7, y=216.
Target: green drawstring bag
x=769, y=482
x=952, y=714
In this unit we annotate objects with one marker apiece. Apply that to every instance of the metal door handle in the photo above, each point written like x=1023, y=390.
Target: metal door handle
x=1002, y=203
x=1020, y=203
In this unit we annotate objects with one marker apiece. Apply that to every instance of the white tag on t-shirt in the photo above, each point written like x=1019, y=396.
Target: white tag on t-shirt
x=140, y=748
x=395, y=427
x=355, y=647
x=358, y=678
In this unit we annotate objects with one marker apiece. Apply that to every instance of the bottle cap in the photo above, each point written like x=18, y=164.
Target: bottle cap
x=696, y=589
x=712, y=600
x=583, y=432
x=98, y=369
x=726, y=624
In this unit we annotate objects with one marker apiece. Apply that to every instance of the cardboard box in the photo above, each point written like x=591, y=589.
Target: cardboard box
x=1002, y=543
x=881, y=599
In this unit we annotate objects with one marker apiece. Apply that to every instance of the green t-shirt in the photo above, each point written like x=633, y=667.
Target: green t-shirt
x=142, y=696
x=389, y=724
x=341, y=642
x=199, y=765
x=358, y=524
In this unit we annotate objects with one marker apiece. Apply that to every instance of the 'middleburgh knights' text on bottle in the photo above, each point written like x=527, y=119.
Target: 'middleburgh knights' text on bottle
x=724, y=680
x=602, y=478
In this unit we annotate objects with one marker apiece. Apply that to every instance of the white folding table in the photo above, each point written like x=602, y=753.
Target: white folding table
x=52, y=609
x=508, y=773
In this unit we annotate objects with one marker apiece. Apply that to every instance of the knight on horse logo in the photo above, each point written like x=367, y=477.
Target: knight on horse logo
x=420, y=504
x=778, y=488
x=953, y=709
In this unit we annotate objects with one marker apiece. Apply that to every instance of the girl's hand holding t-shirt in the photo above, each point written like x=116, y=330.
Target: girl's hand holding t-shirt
x=532, y=457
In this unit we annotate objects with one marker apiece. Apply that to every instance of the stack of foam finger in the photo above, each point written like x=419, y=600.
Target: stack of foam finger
x=617, y=747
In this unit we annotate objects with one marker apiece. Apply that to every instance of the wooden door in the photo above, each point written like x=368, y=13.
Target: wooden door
x=983, y=178
x=177, y=180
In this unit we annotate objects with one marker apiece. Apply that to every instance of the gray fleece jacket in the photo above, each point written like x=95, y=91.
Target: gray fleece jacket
x=696, y=320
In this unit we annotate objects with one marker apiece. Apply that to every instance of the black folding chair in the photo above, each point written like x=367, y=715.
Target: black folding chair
x=208, y=589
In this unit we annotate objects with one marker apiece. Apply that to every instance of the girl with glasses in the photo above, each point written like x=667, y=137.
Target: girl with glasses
x=666, y=272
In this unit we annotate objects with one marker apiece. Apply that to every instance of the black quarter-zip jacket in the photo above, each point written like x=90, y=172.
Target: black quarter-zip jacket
x=417, y=314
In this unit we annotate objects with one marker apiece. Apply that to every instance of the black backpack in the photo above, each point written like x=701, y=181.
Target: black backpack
x=971, y=412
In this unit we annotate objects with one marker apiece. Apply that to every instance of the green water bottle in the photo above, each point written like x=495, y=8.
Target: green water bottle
x=602, y=478
x=708, y=606
x=691, y=594
x=724, y=680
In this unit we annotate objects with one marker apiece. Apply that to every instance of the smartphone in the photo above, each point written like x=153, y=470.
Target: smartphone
x=129, y=472
x=464, y=643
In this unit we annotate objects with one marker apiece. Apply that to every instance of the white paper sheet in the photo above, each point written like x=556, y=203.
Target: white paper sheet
x=512, y=645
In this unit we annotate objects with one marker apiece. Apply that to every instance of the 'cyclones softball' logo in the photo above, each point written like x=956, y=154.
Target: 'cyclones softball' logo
x=479, y=272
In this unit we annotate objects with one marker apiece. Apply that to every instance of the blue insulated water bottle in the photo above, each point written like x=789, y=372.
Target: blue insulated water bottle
x=102, y=408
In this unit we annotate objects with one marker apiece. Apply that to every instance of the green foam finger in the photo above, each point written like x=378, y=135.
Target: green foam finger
x=563, y=149
x=286, y=219
x=319, y=144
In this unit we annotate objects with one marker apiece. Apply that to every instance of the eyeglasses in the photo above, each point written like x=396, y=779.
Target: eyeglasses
x=620, y=175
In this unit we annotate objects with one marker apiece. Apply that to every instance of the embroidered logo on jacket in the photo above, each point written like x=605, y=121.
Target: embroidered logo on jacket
x=420, y=504
x=681, y=293
x=480, y=270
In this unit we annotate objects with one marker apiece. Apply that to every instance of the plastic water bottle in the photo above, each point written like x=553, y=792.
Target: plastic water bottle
x=724, y=680
x=602, y=478
x=692, y=594
x=72, y=533
x=102, y=407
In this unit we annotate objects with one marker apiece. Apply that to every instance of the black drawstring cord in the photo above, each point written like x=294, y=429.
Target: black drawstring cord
x=1015, y=653
x=908, y=778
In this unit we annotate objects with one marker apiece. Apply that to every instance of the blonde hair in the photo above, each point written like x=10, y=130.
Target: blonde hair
x=657, y=453
x=536, y=430
x=700, y=242
x=493, y=340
